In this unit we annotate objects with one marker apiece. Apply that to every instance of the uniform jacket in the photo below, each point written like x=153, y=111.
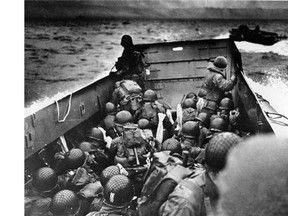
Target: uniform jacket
x=215, y=84
x=192, y=197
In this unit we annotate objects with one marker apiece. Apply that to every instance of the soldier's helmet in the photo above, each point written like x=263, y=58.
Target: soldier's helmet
x=226, y=104
x=217, y=150
x=220, y=62
x=204, y=117
x=172, y=145
x=107, y=173
x=149, y=96
x=74, y=158
x=45, y=179
x=123, y=117
x=86, y=146
x=191, y=95
x=189, y=103
x=190, y=129
x=95, y=134
x=218, y=125
x=110, y=108
x=118, y=191
x=64, y=202
x=143, y=123
x=126, y=41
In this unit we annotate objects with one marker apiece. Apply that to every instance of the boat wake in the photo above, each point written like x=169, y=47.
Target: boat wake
x=280, y=48
x=274, y=90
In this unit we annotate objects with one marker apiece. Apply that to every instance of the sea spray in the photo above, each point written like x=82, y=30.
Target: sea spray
x=274, y=89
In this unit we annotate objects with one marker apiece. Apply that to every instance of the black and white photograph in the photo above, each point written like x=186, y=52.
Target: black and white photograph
x=153, y=108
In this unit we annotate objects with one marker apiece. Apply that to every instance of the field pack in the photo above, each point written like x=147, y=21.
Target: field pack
x=162, y=177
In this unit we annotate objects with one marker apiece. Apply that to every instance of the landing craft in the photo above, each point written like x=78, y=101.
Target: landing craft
x=244, y=33
x=176, y=68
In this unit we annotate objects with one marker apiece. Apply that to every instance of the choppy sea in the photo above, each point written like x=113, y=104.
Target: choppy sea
x=65, y=55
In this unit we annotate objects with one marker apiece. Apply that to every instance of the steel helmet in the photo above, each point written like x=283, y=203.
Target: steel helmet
x=95, y=134
x=218, y=125
x=190, y=129
x=74, y=158
x=226, y=104
x=143, y=123
x=189, y=102
x=64, y=202
x=45, y=179
x=220, y=62
x=150, y=96
x=86, y=146
x=118, y=191
x=126, y=41
x=172, y=145
x=123, y=117
x=191, y=95
x=110, y=108
x=107, y=173
x=204, y=117
x=217, y=149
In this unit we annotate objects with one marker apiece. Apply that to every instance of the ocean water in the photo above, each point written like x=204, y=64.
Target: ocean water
x=63, y=56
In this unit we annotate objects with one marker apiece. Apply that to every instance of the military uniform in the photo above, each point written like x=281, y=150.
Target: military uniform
x=192, y=197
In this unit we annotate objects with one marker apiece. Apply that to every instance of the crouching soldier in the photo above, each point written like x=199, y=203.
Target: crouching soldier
x=118, y=194
x=100, y=151
x=78, y=173
x=150, y=110
x=131, y=151
x=190, y=140
x=44, y=186
x=198, y=194
x=108, y=122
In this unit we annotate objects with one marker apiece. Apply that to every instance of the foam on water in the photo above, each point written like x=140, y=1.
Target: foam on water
x=275, y=91
x=280, y=48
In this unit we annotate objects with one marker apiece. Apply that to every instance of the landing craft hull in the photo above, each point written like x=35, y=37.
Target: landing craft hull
x=176, y=68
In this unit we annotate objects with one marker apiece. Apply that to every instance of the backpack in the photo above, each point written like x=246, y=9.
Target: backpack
x=127, y=91
x=162, y=177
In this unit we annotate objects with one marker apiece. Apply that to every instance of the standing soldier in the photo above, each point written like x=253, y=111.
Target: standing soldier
x=131, y=63
x=214, y=85
x=198, y=195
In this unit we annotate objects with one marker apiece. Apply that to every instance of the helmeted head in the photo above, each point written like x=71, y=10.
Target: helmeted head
x=107, y=173
x=143, y=123
x=190, y=129
x=192, y=95
x=172, y=145
x=87, y=147
x=74, y=158
x=204, y=118
x=218, y=125
x=126, y=41
x=122, y=118
x=118, y=191
x=189, y=103
x=150, y=96
x=217, y=150
x=45, y=179
x=220, y=62
x=110, y=108
x=226, y=104
x=95, y=136
x=64, y=202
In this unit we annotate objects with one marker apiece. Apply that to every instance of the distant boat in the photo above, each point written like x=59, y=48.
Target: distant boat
x=243, y=33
